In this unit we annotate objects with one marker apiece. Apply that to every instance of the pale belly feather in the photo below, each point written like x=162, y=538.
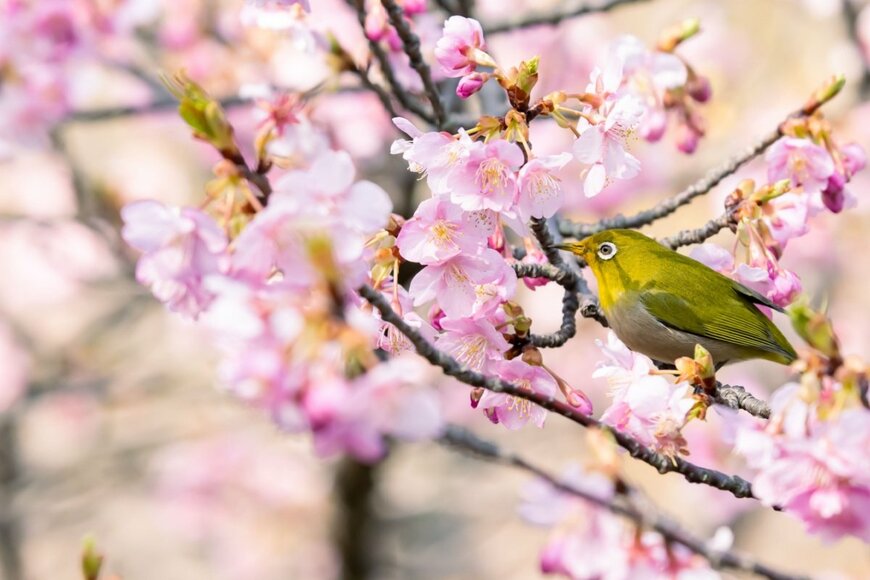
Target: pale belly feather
x=641, y=332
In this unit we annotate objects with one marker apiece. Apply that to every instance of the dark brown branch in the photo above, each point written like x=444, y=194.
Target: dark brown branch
x=354, y=529
x=557, y=17
x=700, y=187
x=466, y=442
x=10, y=530
x=733, y=484
x=411, y=43
x=405, y=99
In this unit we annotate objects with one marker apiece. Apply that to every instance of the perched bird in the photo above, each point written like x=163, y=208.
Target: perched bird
x=661, y=303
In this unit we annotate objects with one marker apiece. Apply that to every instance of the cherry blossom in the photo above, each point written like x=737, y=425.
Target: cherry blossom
x=487, y=178
x=806, y=164
x=509, y=410
x=466, y=285
x=476, y=344
x=461, y=48
x=181, y=247
x=439, y=231
x=540, y=190
x=602, y=146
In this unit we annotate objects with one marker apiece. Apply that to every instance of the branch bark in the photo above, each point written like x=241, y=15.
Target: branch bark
x=466, y=442
x=411, y=43
x=733, y=484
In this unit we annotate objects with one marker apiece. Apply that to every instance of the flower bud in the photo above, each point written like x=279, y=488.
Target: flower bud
x=470, y=84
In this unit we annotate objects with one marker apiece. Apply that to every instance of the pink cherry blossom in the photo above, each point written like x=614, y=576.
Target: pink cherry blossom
x=806, y=164
x=602, y=146
x=786, y=217
x=470, y=84
x=181, y=247
x=439, y=156
x=476, y=344
x=466, y=285
x=713, y=256
x=386, y=401
x=511, y=411
x=646, y=406
x=487, y=179
x=277, y=14
x=461, y=47
x=439, y=231
x=540, y=190
x=812, y=466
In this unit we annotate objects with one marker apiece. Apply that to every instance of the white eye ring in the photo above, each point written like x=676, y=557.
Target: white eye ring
x=606, y=250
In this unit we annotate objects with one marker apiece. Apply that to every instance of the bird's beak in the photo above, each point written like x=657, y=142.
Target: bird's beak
x=576, y=248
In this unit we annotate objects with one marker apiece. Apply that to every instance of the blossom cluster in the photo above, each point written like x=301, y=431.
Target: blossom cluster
x=587, y=541
x=275, y=287
x=811, y=459
x=808, y=173
x=644, y=403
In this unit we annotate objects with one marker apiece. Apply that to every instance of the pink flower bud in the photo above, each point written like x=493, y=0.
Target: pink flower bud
x=654, y=125
x=687, y=139
x=470, y=84
x=832, y=196
x=699, y=89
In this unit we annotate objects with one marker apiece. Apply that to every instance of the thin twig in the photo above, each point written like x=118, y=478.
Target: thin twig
x=156, y=106
x=386, y=68
x=467, y=442
x=411, y=43
x=698, y=235
x=700, y=187
x=556, y=17
x=733, y=484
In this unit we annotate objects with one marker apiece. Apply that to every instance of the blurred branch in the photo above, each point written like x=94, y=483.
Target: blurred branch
x=405, y=99
x=156, y=106
x=709, y=181
x=10, y=533
x=353, y=525
x=468, y=443
x=556, y=17
x=851, y=12
x=733, y=484
x=411, y=43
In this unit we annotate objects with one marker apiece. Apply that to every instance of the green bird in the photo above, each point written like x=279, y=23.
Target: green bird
x=661, y=303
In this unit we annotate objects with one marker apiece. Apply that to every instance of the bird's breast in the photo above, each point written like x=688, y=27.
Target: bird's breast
x=643, y=333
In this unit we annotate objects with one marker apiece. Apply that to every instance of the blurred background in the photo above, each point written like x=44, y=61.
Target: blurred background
x=111, y=423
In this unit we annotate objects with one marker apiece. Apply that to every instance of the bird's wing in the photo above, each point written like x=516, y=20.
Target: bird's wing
x=736, y=324
x=754, y=296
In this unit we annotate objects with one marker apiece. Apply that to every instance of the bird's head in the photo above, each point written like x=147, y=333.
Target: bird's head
x=620, y=259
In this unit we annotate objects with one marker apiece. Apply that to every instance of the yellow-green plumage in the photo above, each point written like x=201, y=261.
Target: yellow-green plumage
x=661, y=303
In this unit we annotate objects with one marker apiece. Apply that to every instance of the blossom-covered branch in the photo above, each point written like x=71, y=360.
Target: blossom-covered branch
x=557, y=16
x=733, y=484
x=710, y=180
x=463, y=440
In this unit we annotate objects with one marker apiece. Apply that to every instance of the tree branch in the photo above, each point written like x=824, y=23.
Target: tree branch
x=557, y=17
x=411, y=43
x=405, y=100
x=733, y=484
x=156, y=106
x=698, y=235
x=737, y=397
x=466, y=442
x=702, y=186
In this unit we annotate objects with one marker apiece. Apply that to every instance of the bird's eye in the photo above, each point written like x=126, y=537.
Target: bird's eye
x=606, y=250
